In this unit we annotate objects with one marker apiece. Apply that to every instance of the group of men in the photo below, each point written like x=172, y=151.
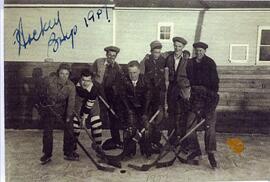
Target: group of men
x=136, y=100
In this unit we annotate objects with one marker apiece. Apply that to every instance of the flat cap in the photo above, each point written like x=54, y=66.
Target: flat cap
x=155, y=45
x=200, y=45
x=180, y=39
x=112, y=48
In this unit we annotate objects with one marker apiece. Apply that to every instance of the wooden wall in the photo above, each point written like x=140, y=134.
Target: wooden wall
x=244, y=96
x=244, y=99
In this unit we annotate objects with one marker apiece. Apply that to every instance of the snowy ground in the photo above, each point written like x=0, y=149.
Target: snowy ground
x=23, y=150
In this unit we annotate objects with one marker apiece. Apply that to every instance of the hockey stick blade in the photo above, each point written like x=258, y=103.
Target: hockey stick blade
x=165, y=164
x=146, y=167
x=98, y=166
x=110, y=160
x=170, y=162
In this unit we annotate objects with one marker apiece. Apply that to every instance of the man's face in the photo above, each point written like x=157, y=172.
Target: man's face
x=186, y=55
x=199, y=52
x=156, y=53
x=178, y=46
x=133, y=73
x=111, y=56
x=63, y=75
x=86, y=81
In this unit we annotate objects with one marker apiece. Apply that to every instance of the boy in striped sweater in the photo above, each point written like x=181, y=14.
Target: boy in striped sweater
x=87, y=107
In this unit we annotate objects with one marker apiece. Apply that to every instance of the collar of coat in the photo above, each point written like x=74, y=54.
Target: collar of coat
x=137, y=81
x=88, y=88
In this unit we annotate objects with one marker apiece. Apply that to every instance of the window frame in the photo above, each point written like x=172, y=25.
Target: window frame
x=170, y=24
x=258, y=61
x=239, y=60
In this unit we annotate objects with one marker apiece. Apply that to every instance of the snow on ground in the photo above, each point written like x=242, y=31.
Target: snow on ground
x=23, y=150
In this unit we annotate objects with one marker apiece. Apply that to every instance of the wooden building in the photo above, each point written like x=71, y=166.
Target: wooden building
x=238, y=34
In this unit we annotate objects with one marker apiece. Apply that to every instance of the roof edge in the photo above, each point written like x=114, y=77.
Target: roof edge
x=57, y=5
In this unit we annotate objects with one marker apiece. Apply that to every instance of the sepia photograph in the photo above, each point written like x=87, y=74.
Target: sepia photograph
x=135, y=90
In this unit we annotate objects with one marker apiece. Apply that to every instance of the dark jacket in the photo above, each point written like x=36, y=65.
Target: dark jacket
x=154, y=72
x=85, y=98
x=138, y=97
x=203, y=73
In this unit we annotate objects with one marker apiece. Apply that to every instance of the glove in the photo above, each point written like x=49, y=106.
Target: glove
x=161, y=108
x=129, y=133
x=144, y=118
x=185, y=93
x=148, y=129
x=147, y=125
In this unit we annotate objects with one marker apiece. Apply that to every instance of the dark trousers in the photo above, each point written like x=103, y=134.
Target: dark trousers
x=178, y=112
x=154, y=106
x=115, y=123
x=114, y=128
x=48, y=123
x=210, y=132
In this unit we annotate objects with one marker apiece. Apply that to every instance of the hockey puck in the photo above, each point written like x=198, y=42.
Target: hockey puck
x=123, y=171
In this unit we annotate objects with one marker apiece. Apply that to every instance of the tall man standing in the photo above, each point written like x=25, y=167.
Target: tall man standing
x=154, y=71
x=203, y=77
x=109, y=74
x=179, y=87
x=59, y=92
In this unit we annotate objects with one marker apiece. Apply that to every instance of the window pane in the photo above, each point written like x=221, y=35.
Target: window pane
x=165, y=32
x=161, y=36
x=168, y=29
x=162, y=29
x=265, y=38
x=265, y=53
x=167, y=36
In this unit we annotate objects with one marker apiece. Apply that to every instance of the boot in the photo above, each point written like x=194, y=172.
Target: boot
x=45, y=159
x=130, y=148
x=72, y=156
x=212, y=160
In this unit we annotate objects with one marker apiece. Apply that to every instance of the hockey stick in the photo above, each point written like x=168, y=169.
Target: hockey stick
x=174, y=148
x=99, y=166
x=108, y=106
x=109, y=159
x=139, y=134
x=170, y=162
x=122, y=154
x=146, y=167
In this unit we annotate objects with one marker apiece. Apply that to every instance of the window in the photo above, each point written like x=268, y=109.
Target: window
x=165, y=31
x=238, y=53
x=263, y=49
